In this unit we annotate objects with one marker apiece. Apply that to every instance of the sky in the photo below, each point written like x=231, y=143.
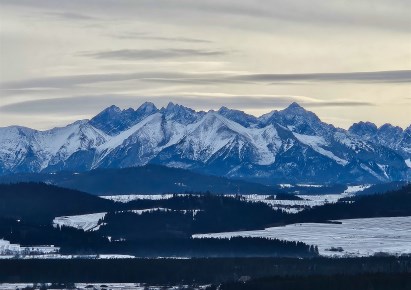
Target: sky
x=66, y=60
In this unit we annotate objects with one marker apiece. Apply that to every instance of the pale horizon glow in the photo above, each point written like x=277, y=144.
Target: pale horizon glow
x=61, y=61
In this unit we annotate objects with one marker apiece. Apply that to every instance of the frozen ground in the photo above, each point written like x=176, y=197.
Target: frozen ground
x=357, y=237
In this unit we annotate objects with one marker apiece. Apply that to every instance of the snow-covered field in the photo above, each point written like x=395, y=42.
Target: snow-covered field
x=320, y=199
x=140, y=211
x=85, y=222
x=130, y=197
x=290, y=206
x=294, y=206
x=115, y=256
x=89, y=222
x=357, y=237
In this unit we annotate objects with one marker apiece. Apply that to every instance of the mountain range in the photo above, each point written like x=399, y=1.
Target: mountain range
x=290, y=145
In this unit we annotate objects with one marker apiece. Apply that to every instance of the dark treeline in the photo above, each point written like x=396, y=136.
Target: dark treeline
x=390, y=204
x=74, y=241
x=193, y=200
x=201, y=271
x=383, y=187
x=211, y=247
x=39, y=202
x=27, y=210
x=379, y=281
x=148, y=225
x=217, y=213
x=221, y=213
x=70, y=240
x=365, y=281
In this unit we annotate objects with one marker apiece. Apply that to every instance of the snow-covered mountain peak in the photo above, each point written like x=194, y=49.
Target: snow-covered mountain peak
x=24, y=131
x=387, y=135
x=363, y=128
x=117, y=140
x=265, y=117
x=291, y=144
x=147, y=107
x=171, y=106
x=180, y=114
x=223, y=109
x=390, y=129
x=111, y=110
x=113, y=120
x=299, y=120
x=295, y=110
x=212, y=118
x=175, y=108
x=294, y=106
x=238, y=116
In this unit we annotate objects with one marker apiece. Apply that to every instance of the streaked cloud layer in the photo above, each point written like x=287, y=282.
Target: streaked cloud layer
x=64, y=60
x=142, y=54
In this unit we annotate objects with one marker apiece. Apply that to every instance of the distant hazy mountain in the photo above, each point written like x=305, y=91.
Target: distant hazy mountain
x=291, y=145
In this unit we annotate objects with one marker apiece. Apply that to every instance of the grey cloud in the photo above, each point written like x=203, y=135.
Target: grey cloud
x=137, y=35
x=402, y=76
x=70, y=105
x=139, y=54
x=381, y=14
x=71, y=16
x=65, y=106
x=197, y=80
x=257, y=102
x=75, y=80
x=399, y=76
x=339, y=104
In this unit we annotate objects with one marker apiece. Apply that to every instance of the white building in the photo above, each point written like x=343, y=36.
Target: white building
x=6, y=248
